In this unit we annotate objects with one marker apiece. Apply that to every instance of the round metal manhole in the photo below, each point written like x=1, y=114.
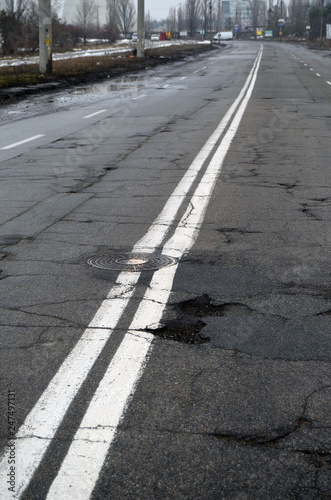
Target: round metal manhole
x=132, y=262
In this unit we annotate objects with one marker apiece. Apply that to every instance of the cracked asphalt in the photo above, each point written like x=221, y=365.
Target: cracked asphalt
x=234, y=401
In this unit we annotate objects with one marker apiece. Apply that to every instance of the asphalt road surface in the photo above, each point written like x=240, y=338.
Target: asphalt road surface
x=165, y=283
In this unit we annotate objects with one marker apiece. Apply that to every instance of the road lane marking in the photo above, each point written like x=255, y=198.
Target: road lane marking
x=41, y=424
x=95, y=114
x=91, y=443
x=10, y=146
x=81, y=467
x=183, y=77
x=139, y=97
x=317, y=74
x=329, y=83
x=167, y=215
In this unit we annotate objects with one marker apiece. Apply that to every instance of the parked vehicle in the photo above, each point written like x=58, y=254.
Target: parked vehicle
x=155, y=37
x=134, y=37
x=223, y=35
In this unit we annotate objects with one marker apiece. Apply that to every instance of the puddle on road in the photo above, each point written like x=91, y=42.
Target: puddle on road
x=133, y=83
x=78, y=96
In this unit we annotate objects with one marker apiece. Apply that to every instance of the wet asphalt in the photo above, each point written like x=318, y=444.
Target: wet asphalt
x=234, y=401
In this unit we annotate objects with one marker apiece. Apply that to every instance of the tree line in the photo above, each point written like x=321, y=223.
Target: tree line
x=19, y=24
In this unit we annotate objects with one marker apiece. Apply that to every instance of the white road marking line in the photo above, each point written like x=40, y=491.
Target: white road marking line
x=167, y=215
x=10, y=146
x=90, y=440
x=183, y=77
x=95, y=114
x=139, y=97
x=39, y=427
x=81, y=466
x=166, y=86
x=329, y=83
x=311, y=69
x=317, y=74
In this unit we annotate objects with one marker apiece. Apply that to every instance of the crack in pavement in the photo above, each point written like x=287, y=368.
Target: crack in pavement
x=270, y=439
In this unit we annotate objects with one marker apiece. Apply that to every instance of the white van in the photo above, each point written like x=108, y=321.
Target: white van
x=223, y=35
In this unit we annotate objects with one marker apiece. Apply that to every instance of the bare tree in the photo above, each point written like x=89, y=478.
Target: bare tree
x=297, y=13
x=149, y=22
x=11, y=26
x=86, y=15
x=126, y=15
x=172, y=20
x=205, y=15
x=192, y=8
x=111, y=10
x=258, y=14
x=56, y=7
x=112, y=21
x=180, y=18
x=31, y=24
x=218, y=18
x=15, y=9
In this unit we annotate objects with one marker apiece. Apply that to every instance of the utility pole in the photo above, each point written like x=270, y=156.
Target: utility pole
x=219, y=16
x=322, y=15
x=141, y=29
x=45, y=37
x=210, y=16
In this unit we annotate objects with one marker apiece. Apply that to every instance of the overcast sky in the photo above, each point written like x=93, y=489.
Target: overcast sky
x=158, y=9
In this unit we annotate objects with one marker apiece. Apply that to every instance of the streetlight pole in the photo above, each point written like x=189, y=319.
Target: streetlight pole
x=141, y=29
x=210, y=11
x=219, y=15
x=45, y=37
x=321, y=30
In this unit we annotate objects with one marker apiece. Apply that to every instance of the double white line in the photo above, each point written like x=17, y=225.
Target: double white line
x=82, y=464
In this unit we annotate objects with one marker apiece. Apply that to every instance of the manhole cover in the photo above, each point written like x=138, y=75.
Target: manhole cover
x=132, y=262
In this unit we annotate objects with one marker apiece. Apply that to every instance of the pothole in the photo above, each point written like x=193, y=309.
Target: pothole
x=132, y=262
x=203, y=306
x=185, y=330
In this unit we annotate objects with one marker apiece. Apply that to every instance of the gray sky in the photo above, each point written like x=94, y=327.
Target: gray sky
x=158, y=9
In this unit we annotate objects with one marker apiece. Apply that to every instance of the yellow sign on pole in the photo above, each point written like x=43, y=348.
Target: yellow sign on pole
x=47, y=42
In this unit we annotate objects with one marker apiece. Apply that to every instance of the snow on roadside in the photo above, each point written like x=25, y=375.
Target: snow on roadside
x=5, y=62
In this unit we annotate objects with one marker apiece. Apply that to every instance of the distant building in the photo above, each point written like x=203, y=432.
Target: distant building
x=240, y=12
x=237, y=11
x=243, y=13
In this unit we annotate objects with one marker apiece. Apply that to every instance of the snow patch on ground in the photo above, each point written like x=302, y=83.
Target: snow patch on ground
x=127, y=47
